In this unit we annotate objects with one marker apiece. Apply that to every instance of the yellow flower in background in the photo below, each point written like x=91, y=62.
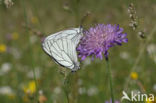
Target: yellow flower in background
x=34, y=20
x=11, y=96
x=134, y=75
x=2, y=48
x=30, y=88
x=149, y=101
x=15, y=35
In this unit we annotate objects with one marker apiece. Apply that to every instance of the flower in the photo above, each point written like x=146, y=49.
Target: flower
x=154, y=87
x=151, y=100
x=6, y=90
x=57, y=90
x=97, y=40
x=134, y=75
x=42, y=99
x=8, y=36
x=15, y=52
x=15, y=36
x=151, y=49
x=82, y=90
x=12, y=36
x=3, y=48
x=30, y=88
x=33, y=39
x=34, y=20
x=5, y=68
x=124, y=55
x=37, y=71
x=92, y=91
x=8, y=3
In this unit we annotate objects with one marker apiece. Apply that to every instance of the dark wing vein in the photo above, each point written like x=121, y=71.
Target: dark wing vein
x=53, y=51
x=59, y=48
x=60, y=53
x=54, y=46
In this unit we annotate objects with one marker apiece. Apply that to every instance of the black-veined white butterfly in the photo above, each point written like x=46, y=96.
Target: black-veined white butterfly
x=61, y=47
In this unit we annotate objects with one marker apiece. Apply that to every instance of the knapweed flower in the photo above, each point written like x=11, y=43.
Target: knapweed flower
x=97, y=40
x=134, y=75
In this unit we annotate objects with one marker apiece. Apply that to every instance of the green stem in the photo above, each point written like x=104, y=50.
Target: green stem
x=110, y=79
x=66, y=91
x=31, y=54
x=67, y=86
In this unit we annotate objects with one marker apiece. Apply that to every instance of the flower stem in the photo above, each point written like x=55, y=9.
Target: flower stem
x=110, y=79
x=66, y=90
x=67, y=85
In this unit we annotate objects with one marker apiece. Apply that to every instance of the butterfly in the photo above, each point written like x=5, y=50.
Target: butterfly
x=61, y=47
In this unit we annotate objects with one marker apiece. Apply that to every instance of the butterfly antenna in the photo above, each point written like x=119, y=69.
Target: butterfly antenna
x=81, y=26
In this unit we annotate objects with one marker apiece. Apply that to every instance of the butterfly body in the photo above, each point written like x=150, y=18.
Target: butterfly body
x=61, y=47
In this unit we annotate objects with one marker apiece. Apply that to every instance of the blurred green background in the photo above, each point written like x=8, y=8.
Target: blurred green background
x=24, y=22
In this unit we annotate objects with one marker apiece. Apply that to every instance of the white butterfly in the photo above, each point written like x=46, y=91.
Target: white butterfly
x=61, y=47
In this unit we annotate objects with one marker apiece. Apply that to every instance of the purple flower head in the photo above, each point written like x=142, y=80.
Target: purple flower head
x=97, y=40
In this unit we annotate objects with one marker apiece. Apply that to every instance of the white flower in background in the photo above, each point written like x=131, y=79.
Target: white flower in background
x=82, y=90
x=124, y=55
x=30, y=74
x=154, y=87
x=33, y=39
x=40, y=92
x=151, y=49
x=5, y=68
x=57, y=90
x=136, y=92
x=8, y=3
x=6, y=90
x=15, y=52
x=55, y=96
x=92, y=91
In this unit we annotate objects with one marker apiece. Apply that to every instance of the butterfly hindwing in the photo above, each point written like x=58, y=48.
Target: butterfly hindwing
x=61, y=47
